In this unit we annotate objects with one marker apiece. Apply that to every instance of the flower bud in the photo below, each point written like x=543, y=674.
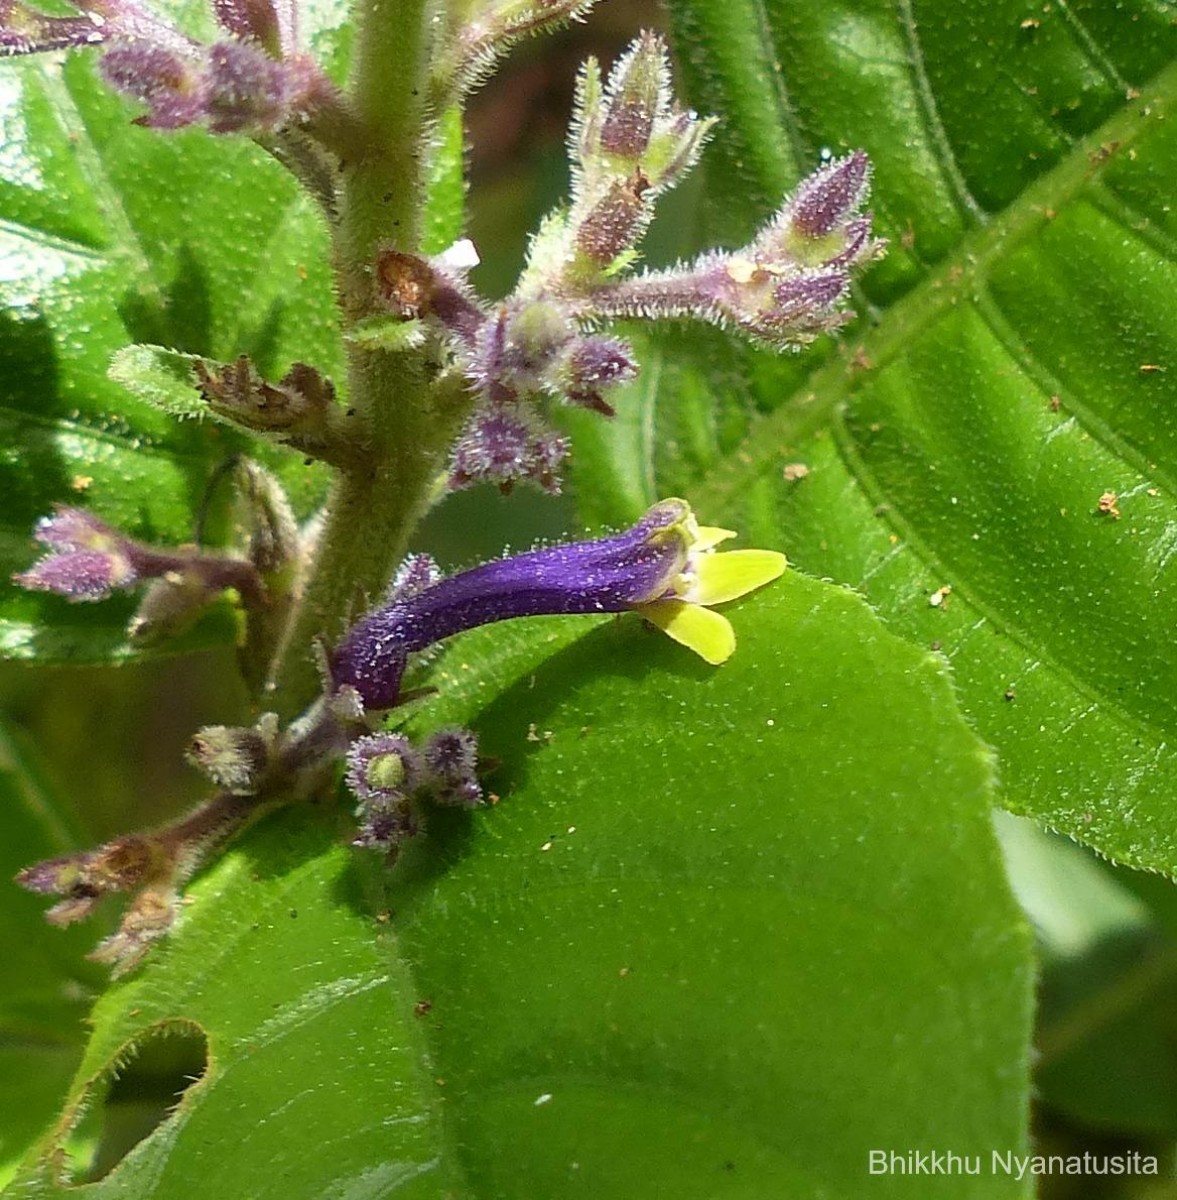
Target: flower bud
x=385, y=823
x=505, y=443
x=830, y=195
x=633, y=123
x=261, y=21
x=451, y=765
x=382, y=764
x=169, y=83
x=383, y=770
x=616, y=221
x=592, y=365
x=171, y=606
x=273, y=542
x=147, y=920
x=233, y=758
x=246, y=88
x=88, y=561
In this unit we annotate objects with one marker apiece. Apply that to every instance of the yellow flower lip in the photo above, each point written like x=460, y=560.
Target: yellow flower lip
x=709, y=578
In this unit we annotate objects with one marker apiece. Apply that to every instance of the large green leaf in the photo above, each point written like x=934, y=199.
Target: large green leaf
x=1014, y=368
x=724, y=932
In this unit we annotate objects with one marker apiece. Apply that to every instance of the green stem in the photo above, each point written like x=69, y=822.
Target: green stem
x=383, y=188
x=406, y=418
x=373, y=509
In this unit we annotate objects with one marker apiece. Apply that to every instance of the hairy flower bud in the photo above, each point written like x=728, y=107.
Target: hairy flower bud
x=451, y=768
x=88, y=561
x=504, y=443
x=271, y=24
x=170, y=606
x=383, y=771
x=633, y=123
x=830, y=195
x=616, y=221
x=592, y=366
x=234, y=758
x=782, y=289
x=630, y=141
x=170, y=83
x=273, y=542
x=246, y=88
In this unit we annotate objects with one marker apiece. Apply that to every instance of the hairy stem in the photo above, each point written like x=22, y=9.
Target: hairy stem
x=406, y=423
x=383, y=187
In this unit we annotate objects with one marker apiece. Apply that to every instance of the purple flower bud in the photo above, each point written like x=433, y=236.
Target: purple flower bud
x=638, y=93
x=505, y=443
x=858, y=246
x=610, y=574
x=169, y=83
x=258, y=21
x=593, y=364
x=616, y=221
x=451, y=765
x=385, y=823
x=246, y=89
x=798, y=296
x=89, y=558
x=79, y=575
x=75, y=529
x=830, y=195
x=118, y=866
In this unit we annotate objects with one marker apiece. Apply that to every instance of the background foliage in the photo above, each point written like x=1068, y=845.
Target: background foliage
x=726, y=929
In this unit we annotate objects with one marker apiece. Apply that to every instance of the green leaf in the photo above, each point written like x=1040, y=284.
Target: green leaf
x=1018, y=365
x=161, y=377
x=43, y=1002
x=445, y=199
x=714, y=917
x=694, y=880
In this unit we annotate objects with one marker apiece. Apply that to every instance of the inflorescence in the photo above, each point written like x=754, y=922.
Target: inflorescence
x=543, y=345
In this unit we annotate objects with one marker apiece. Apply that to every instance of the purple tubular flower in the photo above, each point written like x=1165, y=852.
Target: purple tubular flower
x=606, y=575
